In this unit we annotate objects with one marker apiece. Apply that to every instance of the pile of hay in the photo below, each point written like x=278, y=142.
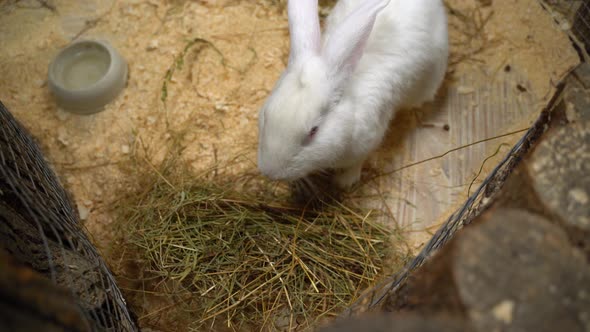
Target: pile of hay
x=235, y=260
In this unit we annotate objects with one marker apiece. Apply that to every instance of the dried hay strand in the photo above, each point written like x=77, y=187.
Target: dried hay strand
x=214, y=255
x=468, y=26
x=231, y=259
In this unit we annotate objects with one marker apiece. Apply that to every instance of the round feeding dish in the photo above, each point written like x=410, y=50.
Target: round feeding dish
x=87, y=75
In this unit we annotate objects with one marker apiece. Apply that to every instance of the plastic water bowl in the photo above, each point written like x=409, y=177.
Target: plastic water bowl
x=87, y=75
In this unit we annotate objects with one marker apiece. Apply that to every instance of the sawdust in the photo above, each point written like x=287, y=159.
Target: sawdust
x=216, y=102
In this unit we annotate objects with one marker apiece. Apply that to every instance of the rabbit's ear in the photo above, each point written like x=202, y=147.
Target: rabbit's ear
x=304, y=28
x=345, y=46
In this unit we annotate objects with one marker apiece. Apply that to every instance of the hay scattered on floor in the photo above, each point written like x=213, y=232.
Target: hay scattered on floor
x=249, y=264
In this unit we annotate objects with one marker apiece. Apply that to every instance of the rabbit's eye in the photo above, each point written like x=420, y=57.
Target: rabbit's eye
x=310, y=135
x=313, y=131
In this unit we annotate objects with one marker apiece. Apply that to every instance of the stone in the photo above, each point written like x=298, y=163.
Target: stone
x=510, y=270
x=560, y=172
x=518, y=271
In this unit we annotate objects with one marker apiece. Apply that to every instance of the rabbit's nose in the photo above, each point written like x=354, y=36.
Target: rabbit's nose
x=265, y=167
x=270, y=170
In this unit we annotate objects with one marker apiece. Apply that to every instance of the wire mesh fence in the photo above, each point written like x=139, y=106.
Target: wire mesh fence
x=581, y=22
x=573, y=17
x=39, y=228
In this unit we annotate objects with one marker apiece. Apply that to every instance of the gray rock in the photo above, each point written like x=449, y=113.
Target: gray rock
x=517, y=271
x=560, y=172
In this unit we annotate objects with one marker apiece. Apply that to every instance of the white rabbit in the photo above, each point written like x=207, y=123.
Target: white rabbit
x=333, y=104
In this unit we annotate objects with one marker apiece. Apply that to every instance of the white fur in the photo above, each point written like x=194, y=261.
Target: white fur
x=350, y=85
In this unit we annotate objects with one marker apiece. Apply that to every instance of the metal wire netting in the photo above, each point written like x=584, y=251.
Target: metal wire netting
x=573, y=17
x=47, y=236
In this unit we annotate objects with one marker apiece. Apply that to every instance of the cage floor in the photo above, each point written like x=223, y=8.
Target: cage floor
x=505, y=58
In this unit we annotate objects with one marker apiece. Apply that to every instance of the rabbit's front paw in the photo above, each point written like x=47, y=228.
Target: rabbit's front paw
x=348, y=176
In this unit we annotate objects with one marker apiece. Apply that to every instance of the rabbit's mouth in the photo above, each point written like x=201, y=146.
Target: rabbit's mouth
x=281, y=175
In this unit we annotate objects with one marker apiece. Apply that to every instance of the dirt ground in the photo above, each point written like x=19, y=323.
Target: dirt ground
x=506, y=57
